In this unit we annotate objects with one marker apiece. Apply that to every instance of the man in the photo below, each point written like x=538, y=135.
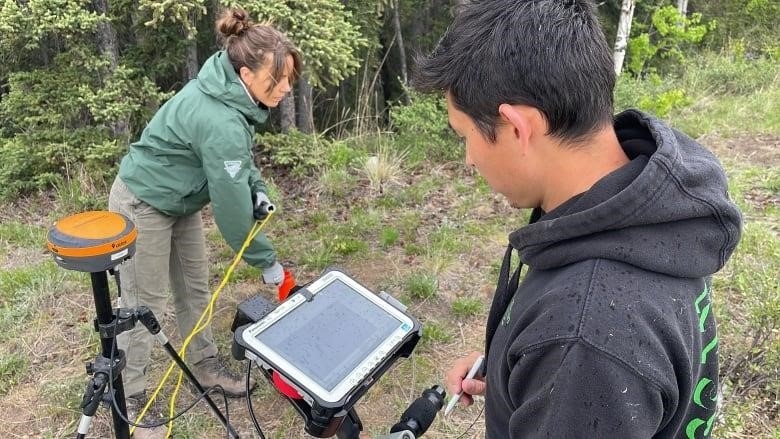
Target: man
x=610, y=334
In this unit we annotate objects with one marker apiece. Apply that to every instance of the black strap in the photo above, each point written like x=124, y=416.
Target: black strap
x=505, y=291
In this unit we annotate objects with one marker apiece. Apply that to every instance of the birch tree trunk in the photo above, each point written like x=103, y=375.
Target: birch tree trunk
x=682, y=6
x=623, y=31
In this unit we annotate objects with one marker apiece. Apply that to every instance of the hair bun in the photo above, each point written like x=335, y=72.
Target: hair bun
x=233, y=22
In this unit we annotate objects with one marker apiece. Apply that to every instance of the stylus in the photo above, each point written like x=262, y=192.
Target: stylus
x=472, y=373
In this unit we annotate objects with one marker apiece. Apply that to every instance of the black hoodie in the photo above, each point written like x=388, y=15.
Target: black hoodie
x=611, y=333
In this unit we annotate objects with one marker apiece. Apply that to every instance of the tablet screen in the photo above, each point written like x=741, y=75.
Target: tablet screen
x=330, y=336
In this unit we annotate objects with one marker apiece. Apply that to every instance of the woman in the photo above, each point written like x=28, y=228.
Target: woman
x=196, y=149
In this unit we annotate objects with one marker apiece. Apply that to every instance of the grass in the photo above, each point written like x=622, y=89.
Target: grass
x=729, y=116
x=13, y=366
x=420, y=286
x=467, y=306
x=22, y=235
x=433, y=238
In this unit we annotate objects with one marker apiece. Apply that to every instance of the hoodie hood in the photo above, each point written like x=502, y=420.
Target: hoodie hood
x=218, y=79
x=667, y=211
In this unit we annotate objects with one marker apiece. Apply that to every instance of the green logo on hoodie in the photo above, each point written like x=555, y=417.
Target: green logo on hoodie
x=508, y=313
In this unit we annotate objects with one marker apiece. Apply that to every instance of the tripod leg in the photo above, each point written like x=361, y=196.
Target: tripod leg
x=90, y=402
x=146, y=317
x=351, y=426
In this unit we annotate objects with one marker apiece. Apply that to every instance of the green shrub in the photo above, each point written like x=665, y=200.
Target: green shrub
x=344, y=154
x=296, y=151
x=659, y=96
x=661, y=46
x=422, y=129
x=53, y=119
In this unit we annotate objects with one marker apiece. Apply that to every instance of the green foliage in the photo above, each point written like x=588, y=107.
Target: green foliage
x=184, y=12
x=640, y=50
x=81, y=193
x=123, y=95
x=653, y=94
x=296, y=151
x=725, y=93
x=344, y=153
x=30, y=27
x=447, y=239
x=59, y=116
x=752, y=23
x=663, y=45
x=422, y=129
x=323, y=30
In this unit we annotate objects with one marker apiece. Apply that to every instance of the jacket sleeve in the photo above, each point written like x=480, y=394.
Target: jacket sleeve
x=227, y=162
x=256, y=182
x=572, y=390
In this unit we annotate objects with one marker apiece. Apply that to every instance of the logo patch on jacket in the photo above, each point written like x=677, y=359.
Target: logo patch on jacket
x=232, y=167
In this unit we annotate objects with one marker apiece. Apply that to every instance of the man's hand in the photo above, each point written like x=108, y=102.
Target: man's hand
x=455, y=382
x=273, y=274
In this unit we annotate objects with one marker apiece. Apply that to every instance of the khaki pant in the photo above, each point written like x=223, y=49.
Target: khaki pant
x=170, y=251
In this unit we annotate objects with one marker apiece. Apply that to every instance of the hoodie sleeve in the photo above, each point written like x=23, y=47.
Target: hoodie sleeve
x=227, y=162
x=570, y=389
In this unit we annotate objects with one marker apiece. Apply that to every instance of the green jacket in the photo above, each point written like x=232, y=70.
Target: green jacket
x=198, y=148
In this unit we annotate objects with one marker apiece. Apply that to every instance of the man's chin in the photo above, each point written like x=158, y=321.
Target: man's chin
x=518, y=204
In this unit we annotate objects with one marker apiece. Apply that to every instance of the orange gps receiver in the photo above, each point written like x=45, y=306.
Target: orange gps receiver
x=92, y=241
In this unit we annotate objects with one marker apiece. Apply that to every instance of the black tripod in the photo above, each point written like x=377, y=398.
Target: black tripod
x=96, y=242
x=103, y=369
x=107, y=367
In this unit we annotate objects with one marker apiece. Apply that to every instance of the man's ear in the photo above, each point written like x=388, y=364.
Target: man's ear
x=520, y=120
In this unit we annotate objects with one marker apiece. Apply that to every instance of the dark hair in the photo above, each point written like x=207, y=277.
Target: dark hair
x=548, y=54
x=247, y=44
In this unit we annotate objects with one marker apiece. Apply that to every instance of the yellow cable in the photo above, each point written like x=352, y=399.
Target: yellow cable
x=207, y=313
